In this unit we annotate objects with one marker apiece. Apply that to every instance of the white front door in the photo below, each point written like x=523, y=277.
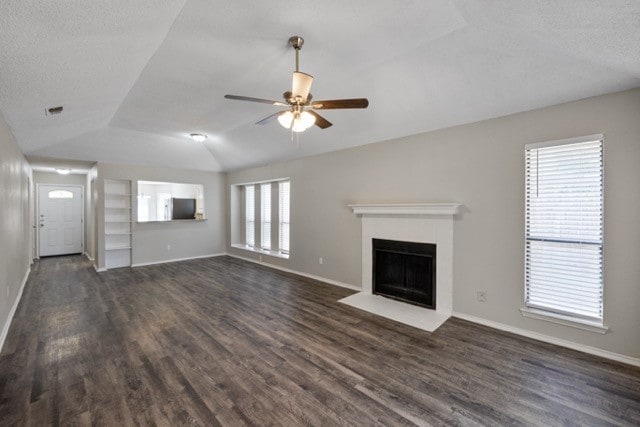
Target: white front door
x=60, y=219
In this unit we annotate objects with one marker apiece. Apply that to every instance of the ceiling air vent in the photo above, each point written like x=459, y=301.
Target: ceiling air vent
x=54, y=110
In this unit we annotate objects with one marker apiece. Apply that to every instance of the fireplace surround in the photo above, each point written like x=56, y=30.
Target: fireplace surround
x=414, y=222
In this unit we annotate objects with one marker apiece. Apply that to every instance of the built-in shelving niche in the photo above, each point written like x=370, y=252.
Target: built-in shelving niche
x=117, y=223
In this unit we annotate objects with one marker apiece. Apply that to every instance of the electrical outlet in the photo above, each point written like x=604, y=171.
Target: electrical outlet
x=168, y=247
x=320, y=261
x=482, y=296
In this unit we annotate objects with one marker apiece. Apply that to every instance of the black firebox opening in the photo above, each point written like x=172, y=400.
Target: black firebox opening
x=405, y=271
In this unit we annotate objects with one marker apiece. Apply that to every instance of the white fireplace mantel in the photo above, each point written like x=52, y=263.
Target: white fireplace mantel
x=411, y=222
x=406, y=208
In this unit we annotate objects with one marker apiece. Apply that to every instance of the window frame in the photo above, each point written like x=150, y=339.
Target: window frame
x=280, y=219
x=265, y=217
x=273, y=220
x=549, y=314
x=245, y=220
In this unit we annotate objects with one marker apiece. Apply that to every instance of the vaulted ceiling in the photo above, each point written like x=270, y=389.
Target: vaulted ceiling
x=137, y=77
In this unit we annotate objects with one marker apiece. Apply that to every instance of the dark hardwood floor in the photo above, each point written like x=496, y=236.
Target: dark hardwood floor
x=220, y=341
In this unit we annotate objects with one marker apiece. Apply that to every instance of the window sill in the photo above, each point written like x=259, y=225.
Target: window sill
x=261, y=251
x=564, y=320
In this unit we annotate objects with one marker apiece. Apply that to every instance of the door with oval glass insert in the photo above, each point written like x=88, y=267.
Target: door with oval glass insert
x=59, y=219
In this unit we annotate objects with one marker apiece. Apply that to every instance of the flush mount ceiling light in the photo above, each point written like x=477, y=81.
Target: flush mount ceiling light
x=300, y=115
x=63, y=171
x=198, y=137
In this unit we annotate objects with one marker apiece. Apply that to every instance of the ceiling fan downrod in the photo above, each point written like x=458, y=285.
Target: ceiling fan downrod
x=296, y=42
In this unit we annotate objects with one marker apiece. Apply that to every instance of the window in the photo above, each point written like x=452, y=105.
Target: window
x=262, y=202
x=249, y=216
x=265, y=215
x=60, y=194
x=283, y=216
x=564, y=228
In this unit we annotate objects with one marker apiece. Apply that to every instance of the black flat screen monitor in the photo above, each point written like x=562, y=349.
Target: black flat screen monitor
x=183, y=208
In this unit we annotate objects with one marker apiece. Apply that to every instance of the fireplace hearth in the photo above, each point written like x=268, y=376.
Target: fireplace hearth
x=405, y=271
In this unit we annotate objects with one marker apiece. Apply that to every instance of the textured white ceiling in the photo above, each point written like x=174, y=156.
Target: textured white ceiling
x=137, y=77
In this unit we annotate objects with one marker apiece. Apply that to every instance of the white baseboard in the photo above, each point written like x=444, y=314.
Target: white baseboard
x=12, y=312
x=89, y=257
x=551, y=340
x=98, y=270
x=141, y=264
x=299, y=273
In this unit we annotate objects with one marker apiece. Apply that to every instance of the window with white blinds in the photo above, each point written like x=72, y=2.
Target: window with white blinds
x=265, y=215
x=249, y=215
x=283, y=202
x=564, y=227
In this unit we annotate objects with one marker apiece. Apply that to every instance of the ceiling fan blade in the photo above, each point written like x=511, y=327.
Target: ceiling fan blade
x=250, y=99
x=334, y=104
x=321, y=122
x=301, y=85
x=269, y=118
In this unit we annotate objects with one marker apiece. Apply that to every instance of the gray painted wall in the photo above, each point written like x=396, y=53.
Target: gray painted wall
x=91, y=201
x=56, y=178
x=150, y=240
x=482, y=166
x=15, y=227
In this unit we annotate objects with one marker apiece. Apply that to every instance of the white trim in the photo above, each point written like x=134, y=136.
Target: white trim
x=142, y=264
x=12, y=312
x=260, y=251
x=563, y=320
x=299, y=273
x=89, y=257
x=260, y=182
x=405, y=208
x=551, y=340
x=586, y=138
x=99, y=270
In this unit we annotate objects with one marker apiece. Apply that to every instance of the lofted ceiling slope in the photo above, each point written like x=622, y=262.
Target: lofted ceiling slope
x=135, y=78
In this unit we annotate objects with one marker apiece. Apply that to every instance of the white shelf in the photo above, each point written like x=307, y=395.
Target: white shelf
x=405, y=208
x=116, y=248
x=117, y=234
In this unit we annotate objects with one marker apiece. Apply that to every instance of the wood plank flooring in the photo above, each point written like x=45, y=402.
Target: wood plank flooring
x=220, y=341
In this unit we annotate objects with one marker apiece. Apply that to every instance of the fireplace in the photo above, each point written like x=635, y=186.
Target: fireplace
x=421, y=223
x=405, y=271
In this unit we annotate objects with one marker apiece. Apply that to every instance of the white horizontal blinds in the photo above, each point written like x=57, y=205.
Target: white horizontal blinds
x=564, y=225
x=283, y=203
x=265, y=215
x=250, y=215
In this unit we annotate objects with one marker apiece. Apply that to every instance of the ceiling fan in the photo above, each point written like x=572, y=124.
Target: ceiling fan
x=299, y=114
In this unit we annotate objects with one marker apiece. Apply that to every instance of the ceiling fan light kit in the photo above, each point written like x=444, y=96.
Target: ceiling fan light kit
x=300, y=115
x=198, y=137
